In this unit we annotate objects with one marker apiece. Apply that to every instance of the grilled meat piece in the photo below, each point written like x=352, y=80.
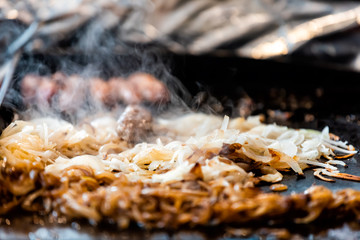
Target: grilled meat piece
x=72, y=94
x=151, y=89
x=101, y=91
x=38, y=89
x=124, y=91
x=138, y=87
x=68, y=93
x=134, y=124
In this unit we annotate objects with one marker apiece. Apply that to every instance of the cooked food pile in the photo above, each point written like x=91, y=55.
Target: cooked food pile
x=192, y=170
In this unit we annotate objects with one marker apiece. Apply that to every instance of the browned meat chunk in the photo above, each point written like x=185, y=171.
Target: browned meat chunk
x=29, y=85
x=46, y=90
x=137, y=88
x=151, y=89
x=72, y=93
x=37, y=89
x=124, y=91
x=134, y=124
x=101, y=91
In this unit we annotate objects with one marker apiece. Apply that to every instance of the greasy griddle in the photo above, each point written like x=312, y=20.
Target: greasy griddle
x=228, y=78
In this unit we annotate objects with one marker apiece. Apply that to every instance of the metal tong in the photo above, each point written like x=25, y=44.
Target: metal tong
x=12, y=57
x=55, y=24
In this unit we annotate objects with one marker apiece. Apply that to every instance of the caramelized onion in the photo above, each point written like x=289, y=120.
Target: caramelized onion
x=90, y=172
